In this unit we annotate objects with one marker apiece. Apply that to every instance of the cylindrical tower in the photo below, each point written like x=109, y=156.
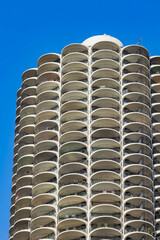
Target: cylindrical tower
x=86, y=160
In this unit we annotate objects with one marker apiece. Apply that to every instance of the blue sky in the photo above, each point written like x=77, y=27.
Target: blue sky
x=32, y=28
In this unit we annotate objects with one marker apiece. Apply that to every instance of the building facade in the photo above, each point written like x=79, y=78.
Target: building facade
x=86, y=160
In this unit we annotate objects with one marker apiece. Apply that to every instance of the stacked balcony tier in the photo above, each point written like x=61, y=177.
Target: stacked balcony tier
x=105, y=204
x=137, y=145
x=73, y=152
x=155, y=97
x=23, y=158
x=44, y=192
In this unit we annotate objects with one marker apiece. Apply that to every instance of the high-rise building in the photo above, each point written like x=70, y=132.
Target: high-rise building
x=87, y=145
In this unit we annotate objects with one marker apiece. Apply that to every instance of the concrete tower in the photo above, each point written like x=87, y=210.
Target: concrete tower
x=87, y=145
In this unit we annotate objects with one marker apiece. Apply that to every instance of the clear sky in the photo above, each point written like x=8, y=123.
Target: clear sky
x=32, y=28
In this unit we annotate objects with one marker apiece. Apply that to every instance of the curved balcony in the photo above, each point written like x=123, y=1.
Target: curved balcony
x=24, y=191
x=48, y=67
x=73, y=189
x=72, y=224
x=44, y=198
x=43, y=210
x=74, y=48
x=136, y=117
x=44, y=177
x=44, y=128
x=139, y=215
x=155, y=98
x=136, y=107
x=22, y=214
x=73, y=178
x=52, y=95
x=49, y=57
x=137, y=128
x=112, y=179
x=105, y=104
x=139, y=169
x=24, y=181
x=105, y=233
x=26, y=139
x=138, y=180
x=46, y=145
x=136, y=88
x=105, y=54
x=45, y=187
x=73, y=146
x=104, y=83
x=29, y=110
x=74, y=95
x=136, y=137
x=42, y=222
x=155, y=79
x=105, y=154
x=155, y=119
x=106, y=210
x=140, y=159
x=45, y=156
x=74, y=86
x=48, y=77
x=29, y=73
x=105, y=144
x=103, y=223
x=135, y=58
x=25, y=161
x=23, y=202
x=28, y=83
x=46, y=135
x=73, y=157
x=75, y=167
x=105, y=93
x=27, y=120
x=22, y=234
x=135, y=49
x=28, y=92
x=136, y=227
x=136, y=97
x=72, y=234
x=135, y=68
x=28, y=101
x=73, y=136
x=72, y=201
x=26, y=131
x=106, y=112
x=105, y=73
x=74, y=76
x=105, y=198
x=138, y=203
x=46, y=166
x=47, y=105
x=26, y=150
x=49, y=115
x=105, y=63
x=105, y=45
x=75, y=57
x=46, y=232
x=105, y=133
x=75, y=67
x=105, y=123
x=138, y=191
x=46, y=89
x=107, y=165
x=73, y=106
x=72, y=212
x=74, y=126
